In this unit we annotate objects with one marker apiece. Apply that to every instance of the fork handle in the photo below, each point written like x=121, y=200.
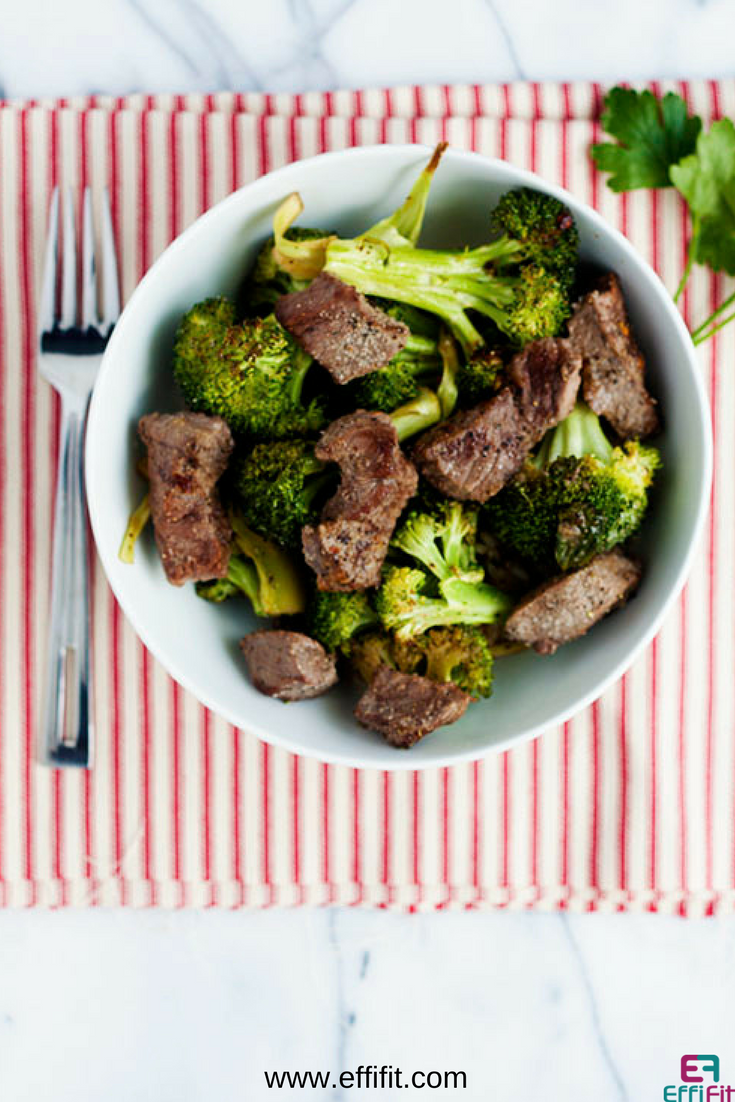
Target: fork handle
x=67, y=714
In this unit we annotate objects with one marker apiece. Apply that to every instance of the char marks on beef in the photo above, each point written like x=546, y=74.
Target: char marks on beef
x=187, y=454
x=404, y=706
x=288, y=665
x=613, y=367
x=347, y=548
x=340, y=328
x=473, y=454
x=566, y=607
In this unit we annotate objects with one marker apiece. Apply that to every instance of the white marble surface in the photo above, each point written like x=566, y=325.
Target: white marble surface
x=187, y=1007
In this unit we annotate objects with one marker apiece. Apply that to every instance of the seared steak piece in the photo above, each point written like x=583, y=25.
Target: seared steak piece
x=476, y=452
x=187, y=454
x=347, y=548
x=288, y=665
x=566, y=607
x=613, y=367
x=340, y=328
x=546, y=374
x=404, y=707
x=345, y=554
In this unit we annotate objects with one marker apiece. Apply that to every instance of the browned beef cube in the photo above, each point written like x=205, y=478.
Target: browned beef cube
x=476, y=452
x=566, y=607
x=546, y=374
x=288, y=665
x=473, y=454
x=340, y=328
x=187, y=454
x=613, y=366
x=404, y=707
x=347, y=548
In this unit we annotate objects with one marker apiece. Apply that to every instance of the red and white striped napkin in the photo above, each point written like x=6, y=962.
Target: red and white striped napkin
x=627, y=806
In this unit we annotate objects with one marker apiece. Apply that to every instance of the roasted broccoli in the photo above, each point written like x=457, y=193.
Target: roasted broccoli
x=521, y=280
x=299, y=254
x=266, y=281
x=479, y=376
x=252, y=373
x=371, y=650
x=390, y=386
x=578, y=497
x=335, y=618
x=262, y=571
x=450, y=588
x=278, y=487
x=524, y=305
x=459, y=653
x=544, y=228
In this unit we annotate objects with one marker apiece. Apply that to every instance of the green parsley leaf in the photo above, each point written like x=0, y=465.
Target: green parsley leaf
x=706, y=179
x=653, y=135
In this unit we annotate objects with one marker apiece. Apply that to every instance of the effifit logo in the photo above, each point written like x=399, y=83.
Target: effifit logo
x=700, y=1082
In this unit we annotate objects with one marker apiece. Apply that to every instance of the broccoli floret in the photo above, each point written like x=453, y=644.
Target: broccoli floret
x=266, y=281
x=218, y=589
x=479, y=376
x=442, y=537
x=450, y=589
x=335, y=618
x=544, y=228
x=371, y=650
x=278, y=487
x=251, y=374
x=578, y=497
x=525, y=304
x=539, y=308
x=407, y=604
x=264, y=572
x=390, y=386
x=460, y=654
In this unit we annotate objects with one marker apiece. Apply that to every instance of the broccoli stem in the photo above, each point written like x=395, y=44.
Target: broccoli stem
x=405, y=223
x=302, y=361
x=447, y=391
x=136, y=523
x=441, y=663
x=577, y=435
x=244, y=575
x=419, y=414
x=444, y=283
x=280, y=589
x=476, y=605
x=419, y=346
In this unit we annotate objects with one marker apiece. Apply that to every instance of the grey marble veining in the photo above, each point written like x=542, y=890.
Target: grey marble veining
x=195, y=1007
x=156, y=1007
x=291, y=45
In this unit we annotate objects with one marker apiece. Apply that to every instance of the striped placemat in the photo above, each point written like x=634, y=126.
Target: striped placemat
x=627, y=806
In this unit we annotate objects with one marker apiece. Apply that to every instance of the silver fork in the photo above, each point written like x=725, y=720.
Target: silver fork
x=70, y=347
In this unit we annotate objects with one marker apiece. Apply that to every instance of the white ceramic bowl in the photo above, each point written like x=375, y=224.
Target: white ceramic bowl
x=197, y=642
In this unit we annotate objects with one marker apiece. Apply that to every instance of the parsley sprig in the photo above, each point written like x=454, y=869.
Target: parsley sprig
x=659, y=144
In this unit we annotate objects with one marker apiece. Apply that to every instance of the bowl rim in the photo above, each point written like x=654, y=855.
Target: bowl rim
x=396, y=762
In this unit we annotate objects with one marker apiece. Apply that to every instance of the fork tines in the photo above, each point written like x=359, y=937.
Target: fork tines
x=84, y=330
